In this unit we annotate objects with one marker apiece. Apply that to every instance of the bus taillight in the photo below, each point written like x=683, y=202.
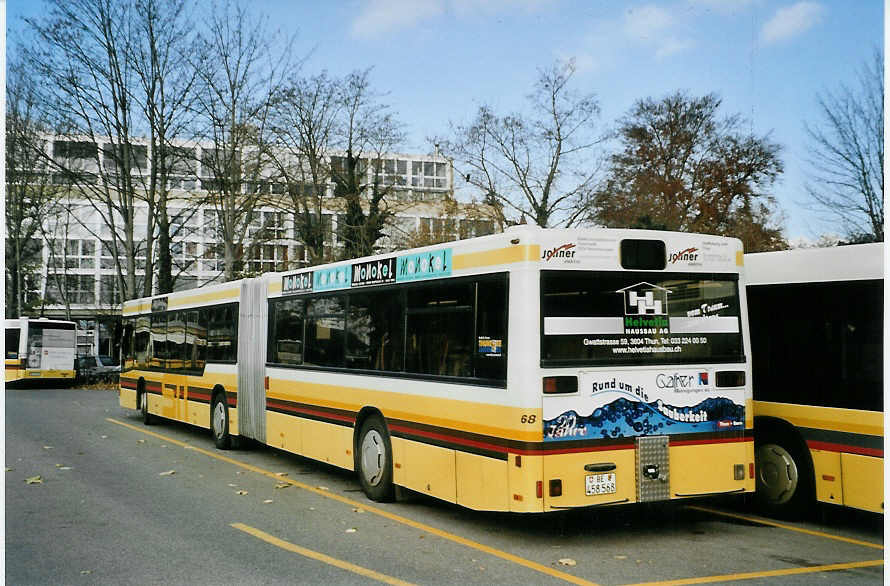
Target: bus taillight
x=560, y=384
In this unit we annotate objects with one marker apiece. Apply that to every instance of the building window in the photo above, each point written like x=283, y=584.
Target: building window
x=109, y=291
x=73, y=289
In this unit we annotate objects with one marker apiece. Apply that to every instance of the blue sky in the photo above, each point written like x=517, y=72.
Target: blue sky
x=439, y=60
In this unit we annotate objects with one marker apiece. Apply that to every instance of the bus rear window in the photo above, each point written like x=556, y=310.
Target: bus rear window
x=639, y=318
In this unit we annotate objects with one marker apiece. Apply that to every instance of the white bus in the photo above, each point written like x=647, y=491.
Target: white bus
x=816, y=318
x=39, y=350
x=528, y=371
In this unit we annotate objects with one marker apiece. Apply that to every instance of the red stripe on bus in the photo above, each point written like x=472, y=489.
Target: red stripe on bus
x=695, y=442
x=449, y=439
x=321, y=414
x=846, y=449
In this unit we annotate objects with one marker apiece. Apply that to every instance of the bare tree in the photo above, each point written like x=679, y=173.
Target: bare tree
x=160, y=54
x=88, y=83
x=240, y=71
x=847, y=155
x=367, y=132
x=682, y=167
x=305, y=118
x=539, y=164
x=30, y=195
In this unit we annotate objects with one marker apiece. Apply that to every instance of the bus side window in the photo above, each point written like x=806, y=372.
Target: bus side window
x=491, y=329
x=374, y=331
x=200, y=331
x=142, y=341
x=439, y=328
x=176, y=340
x=12, y=342
x=286, y=319
x=221, y=343
x=324, y=331
x=158, y=348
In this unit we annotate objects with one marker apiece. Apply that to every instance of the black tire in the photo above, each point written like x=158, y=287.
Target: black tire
x=219, y=422
x=784, y=478
x=374, y=461
x=147, y=418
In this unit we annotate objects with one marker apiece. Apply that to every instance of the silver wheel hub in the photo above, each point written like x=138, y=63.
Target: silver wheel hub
x=219, y=419
x=373, y=457
x=777, y=474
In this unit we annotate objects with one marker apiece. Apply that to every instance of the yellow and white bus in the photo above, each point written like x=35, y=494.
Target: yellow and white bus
x=527, y=371
x=816, y=319
x=40, y=350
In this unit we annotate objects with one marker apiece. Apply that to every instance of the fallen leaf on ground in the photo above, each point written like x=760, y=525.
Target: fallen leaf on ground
x=568, y=562
x=167, y=473
x=34, y=480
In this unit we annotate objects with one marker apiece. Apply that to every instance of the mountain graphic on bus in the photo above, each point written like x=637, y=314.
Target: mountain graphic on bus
x=626, y=418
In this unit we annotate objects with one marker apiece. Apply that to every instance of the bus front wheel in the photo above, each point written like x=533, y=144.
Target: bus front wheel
x=375, y=461
x=784, y=479
x=219, y=422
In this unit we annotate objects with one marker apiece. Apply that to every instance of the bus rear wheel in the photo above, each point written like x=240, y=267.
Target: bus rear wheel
x=219, y=422
x=374, y=461
x=784, y=479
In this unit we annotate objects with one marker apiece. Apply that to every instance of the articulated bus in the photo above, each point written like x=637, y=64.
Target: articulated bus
x=527, y=371
x=40, y=350
x=816, y=319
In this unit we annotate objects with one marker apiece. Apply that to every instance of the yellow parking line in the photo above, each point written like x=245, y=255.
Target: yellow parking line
x=363, y=505
x=286, y=545
x=788, y=527
x=765, y=574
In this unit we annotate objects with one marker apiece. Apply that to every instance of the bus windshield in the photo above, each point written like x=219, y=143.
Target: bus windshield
x=637, y=318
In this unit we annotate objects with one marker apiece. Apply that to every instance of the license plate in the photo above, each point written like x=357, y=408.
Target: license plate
x=599, y=484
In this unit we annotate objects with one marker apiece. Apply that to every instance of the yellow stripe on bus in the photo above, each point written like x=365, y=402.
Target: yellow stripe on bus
x=828, y=418
x=499, y=256
x=454, y=414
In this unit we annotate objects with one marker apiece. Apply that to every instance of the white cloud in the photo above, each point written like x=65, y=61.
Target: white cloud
x=647, y=21
x=672, y=46
x=791, y=21
x=722, y=6
x=379, y=17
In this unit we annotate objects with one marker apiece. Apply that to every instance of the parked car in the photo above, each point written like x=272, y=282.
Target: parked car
x=96, y=368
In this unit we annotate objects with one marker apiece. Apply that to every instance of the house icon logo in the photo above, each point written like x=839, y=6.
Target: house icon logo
x=645, y=299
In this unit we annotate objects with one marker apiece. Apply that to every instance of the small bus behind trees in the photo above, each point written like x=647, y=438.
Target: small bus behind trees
x=533, y=370
x=40, y=350
x=817, y=323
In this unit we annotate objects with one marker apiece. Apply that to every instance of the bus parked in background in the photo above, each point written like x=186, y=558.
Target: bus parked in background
x=534, y=370
x=39, y=350
x=816, y=320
